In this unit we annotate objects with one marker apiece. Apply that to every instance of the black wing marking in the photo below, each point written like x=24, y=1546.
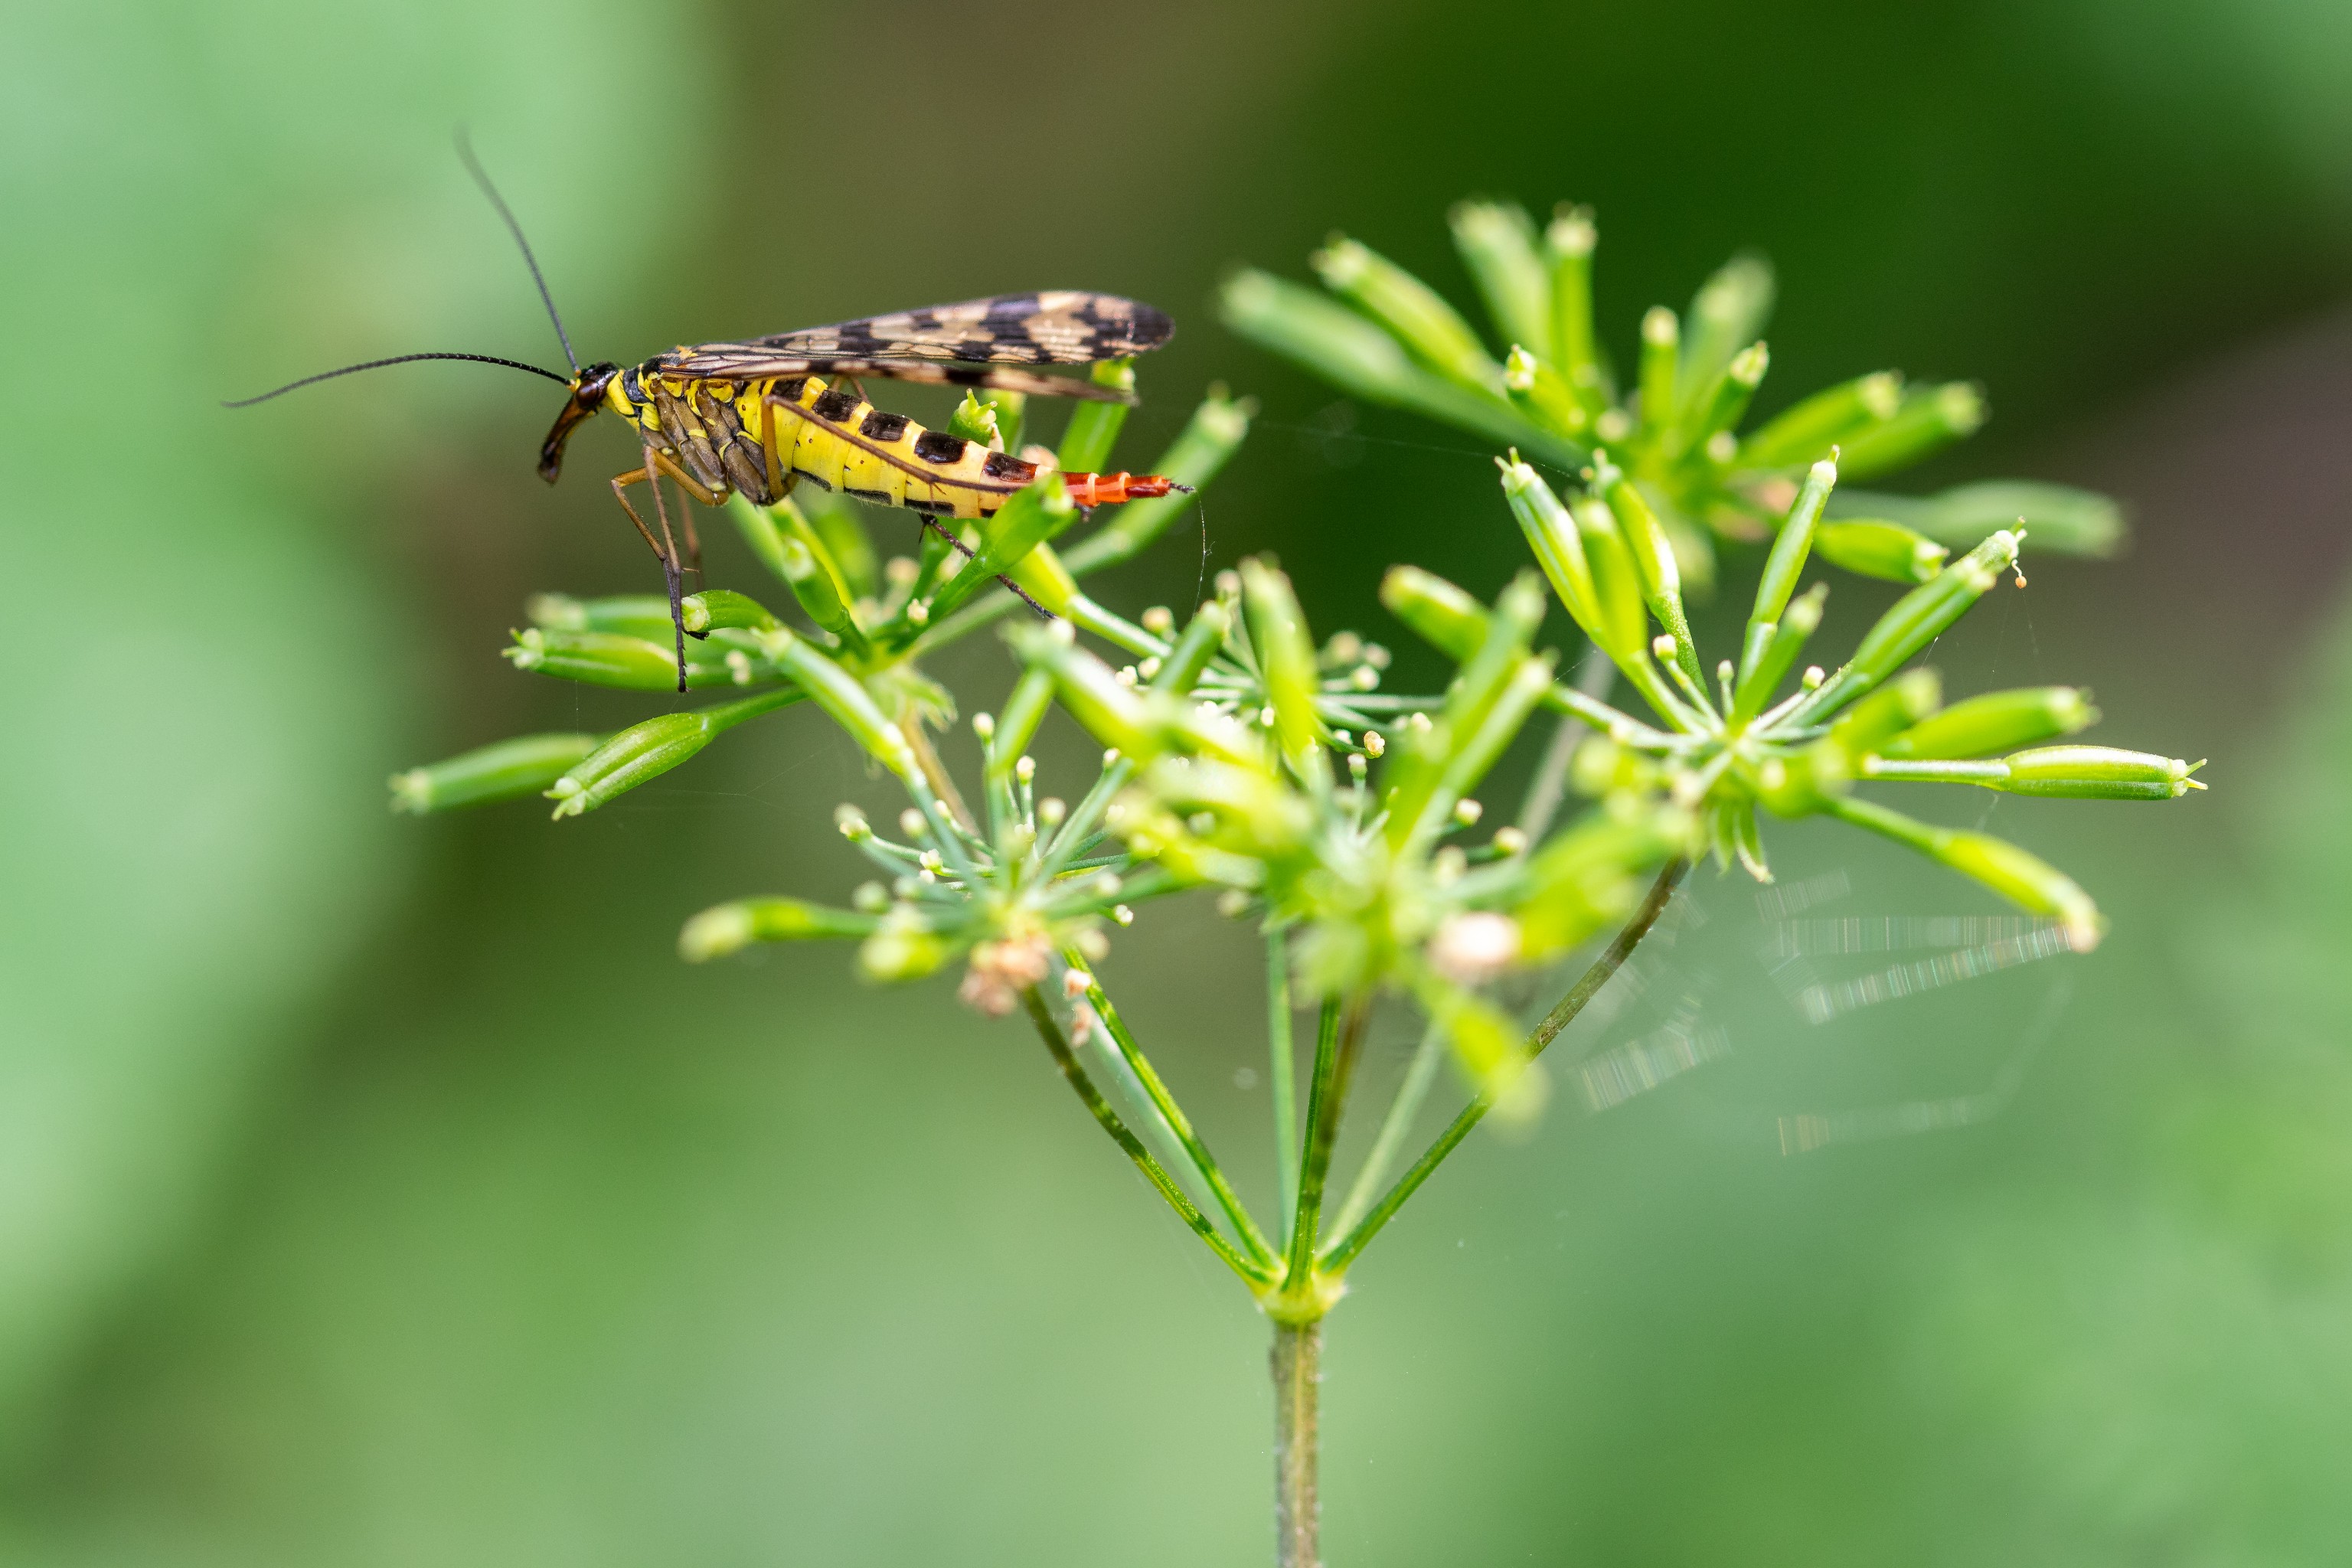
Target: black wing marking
x=972, y=344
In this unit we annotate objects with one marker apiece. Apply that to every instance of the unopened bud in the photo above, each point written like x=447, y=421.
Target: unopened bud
x=1159, y=620
x=1233, y=903
x=1467, y=811
x=851, y=823
x=2098, y=773
x=1510, y=841
x=1870, y=548
x=913, y=823
x=507, y=771
x=1997, y=721
x=1374, y=743
x=1051, y=810
x=985, y=726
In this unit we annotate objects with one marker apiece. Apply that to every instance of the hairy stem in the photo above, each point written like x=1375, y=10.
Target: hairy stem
x=1345, y=1250
x=1050, y=1031
x=1297, y=1375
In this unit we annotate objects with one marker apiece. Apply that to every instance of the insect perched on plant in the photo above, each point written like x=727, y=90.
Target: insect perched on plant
x=759, y=417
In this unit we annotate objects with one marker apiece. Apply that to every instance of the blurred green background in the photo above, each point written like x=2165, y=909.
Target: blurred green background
x=379, y=1191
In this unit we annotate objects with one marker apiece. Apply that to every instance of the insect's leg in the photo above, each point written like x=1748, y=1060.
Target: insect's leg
x=654, y=468
x=620, y=493
x=693, y=545
x=779, y=476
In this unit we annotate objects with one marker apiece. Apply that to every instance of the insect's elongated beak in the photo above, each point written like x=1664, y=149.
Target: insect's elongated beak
x=550, y=451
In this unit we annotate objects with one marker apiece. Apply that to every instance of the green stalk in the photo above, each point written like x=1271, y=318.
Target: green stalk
x=1204, y=1163
x=1283, y=1070
x=1091, y=1098
x=1338, y=1043
x=1345, y=1251
x=1395, y=1127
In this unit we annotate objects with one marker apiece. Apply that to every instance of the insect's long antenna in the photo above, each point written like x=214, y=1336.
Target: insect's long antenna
x=396, y=359
x=482, y=178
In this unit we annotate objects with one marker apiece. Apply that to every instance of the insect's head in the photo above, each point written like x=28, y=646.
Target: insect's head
x=587, y=396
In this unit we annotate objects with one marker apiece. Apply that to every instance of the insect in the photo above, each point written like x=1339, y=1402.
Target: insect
x=757, y=417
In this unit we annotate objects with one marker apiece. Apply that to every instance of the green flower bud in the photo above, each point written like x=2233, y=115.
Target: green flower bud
x=1488, y=1046
x=1203, y=636
x=1414, y=312
x=1497, y=243
x=1721, y=405
x=1448, y=618
x=2060, y=517
x=1811, y=429
x=976, y=421
x=796, y=552
x=633, y=615
x=1919, y=618
x=1568, y=243
x=1729, y=310
x=1207, y=442
x=645, y=751
x=2097, y=773
x=1804, y=781
x=1552, y=532
x=1286, y=656
x=1782, y=642
x=1543, y=394
x=1997, y=721
x=1886, y=712
x=1034, y=516
x=1093, y=426
x=730, y=927
x=1930, y=418
x=717, y=607
x=844, y=700
x=1616, y=585
x=902, y=949
x=1017, y=725
x=1661, y=358
x=507, y=770
x=2024, y=879
x=1112, y=712
x=1870, y=548
x=1786, y=563
x=608, y=659
x=1585, y=877
x=1653, y=559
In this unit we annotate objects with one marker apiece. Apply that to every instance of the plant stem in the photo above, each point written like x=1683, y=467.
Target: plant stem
x=1297, y=1360
x=1594, y=676
x=1394, y=1129
x=1050, y=1033
x=1346, y=1249
x=1282, y=1071
x=1338, y=1044
x=1204, y=1163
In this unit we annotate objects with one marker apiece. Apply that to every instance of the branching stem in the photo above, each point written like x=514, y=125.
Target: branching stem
x=1345, y=1251
x=1050, y=1031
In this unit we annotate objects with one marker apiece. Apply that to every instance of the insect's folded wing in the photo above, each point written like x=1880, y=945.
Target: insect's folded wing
x=1058, y=327
x=744, y=361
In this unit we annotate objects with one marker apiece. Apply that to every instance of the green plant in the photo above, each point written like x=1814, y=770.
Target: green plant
x=1246, y=759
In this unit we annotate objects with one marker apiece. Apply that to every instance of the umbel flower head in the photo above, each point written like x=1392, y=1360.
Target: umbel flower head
x=1725, y=743
x=1358, y=841
x=1675, y=425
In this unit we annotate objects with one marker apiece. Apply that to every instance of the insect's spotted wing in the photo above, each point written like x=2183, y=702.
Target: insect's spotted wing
x=981, y=342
